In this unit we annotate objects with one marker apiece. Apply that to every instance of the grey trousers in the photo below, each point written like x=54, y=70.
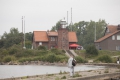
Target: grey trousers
x=72, y=71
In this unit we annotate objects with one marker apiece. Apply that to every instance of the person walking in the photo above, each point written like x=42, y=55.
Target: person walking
x=71, y=64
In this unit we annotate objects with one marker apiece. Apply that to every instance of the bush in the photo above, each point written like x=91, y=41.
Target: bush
x=51, y=58
x=8, y=58
x=13, y=51
x=25, y=59
x=57, y=51
x=42, y=48
x=80, y=60
x=25, y=53
x=104, y=58
x=3, y=52
x=64, y=77
x=91, y=50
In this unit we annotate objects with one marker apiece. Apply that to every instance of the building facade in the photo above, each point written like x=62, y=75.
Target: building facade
x=110, y=40
x=60, y=39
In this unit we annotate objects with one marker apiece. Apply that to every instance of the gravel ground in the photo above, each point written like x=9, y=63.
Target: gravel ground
x=65, y=75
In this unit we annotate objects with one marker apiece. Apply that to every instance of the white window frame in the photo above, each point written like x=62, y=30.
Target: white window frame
x=40, y=43
x=118, y=48
x=113, y=37
x=52, y=38
x=118, y=37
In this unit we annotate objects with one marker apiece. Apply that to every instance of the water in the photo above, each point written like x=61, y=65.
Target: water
x=8, y=71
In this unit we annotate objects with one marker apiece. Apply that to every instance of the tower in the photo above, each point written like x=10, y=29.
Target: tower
x=63, y=41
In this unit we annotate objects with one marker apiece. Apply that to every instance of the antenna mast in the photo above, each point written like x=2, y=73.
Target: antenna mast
x=24, y=33
x=71, y=20
x=67, y=18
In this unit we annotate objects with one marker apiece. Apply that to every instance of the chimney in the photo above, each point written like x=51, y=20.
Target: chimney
x=118, y=27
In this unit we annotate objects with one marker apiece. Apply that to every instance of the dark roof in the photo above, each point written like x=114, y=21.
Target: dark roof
x=112, y=28
x=107, y=36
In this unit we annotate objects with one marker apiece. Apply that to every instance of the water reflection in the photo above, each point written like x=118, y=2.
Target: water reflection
x=8, y=71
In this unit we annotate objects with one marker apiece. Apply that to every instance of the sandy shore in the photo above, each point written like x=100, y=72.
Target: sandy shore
x=65, y=75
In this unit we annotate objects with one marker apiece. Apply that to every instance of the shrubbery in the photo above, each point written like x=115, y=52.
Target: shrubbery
x=80, y=59
x=8, y=58
x=91, y=51
x=104, y=58
x=41, y=48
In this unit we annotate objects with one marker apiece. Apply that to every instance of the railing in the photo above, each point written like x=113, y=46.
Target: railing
x=70, y=53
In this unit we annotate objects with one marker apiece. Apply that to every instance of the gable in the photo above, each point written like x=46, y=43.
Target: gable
x=111, y=29
x=107, y=36
x=40, y=36
x=72, y=37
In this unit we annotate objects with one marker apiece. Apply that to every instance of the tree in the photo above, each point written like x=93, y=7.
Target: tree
x=57, y=26
x=11, y=38
x=28, y=36
x=91, y=50
x=85, y=31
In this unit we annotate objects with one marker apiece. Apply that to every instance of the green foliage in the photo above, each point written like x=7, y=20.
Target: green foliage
x=14, y=37
x=28, y=36
x=77, y=75
x=51, y=58
x=3, y=52
x=24, y=53
x=64, y=77
x=56, y=51
x=85, y=32
x=8, y=58
x=42, y=48
x=80, y=60
x=28, y=44
x=57, y=78
x=12, y=51
x=57, y=26
x=91, y=50
x=105, y=59
x=60, y=72
x=106, y=71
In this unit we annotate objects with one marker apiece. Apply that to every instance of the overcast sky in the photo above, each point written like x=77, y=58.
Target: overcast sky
x=43, y=14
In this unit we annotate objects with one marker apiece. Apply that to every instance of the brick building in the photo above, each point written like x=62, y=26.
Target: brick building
x=54, y=39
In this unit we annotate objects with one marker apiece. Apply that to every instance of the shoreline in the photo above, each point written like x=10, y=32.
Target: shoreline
x=111, y=68
x=79, y=75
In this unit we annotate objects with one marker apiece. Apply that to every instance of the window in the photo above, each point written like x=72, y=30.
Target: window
x=52, y=38
x=40, y=43
x=113, y=37
x=117, y=47
x=118, y=37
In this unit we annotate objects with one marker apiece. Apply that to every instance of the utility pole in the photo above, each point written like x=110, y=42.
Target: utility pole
x=71, y=20
x=95, y=32
x=22, y=32
x=67, y=18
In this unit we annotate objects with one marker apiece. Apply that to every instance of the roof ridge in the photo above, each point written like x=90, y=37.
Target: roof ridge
x=107, y=36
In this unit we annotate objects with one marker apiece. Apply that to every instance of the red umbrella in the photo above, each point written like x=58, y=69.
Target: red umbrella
x=74, y=45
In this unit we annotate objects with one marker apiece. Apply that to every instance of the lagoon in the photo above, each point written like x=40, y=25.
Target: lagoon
x=9, y=71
